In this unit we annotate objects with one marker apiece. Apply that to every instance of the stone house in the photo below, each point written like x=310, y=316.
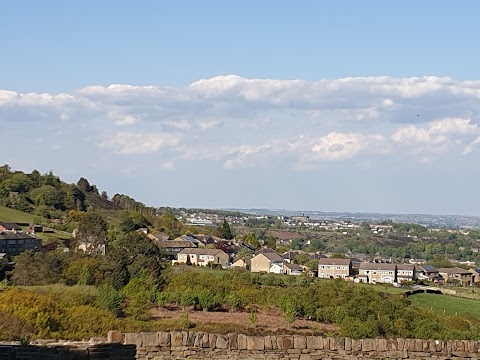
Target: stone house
x=292, y=269
x=456, y=273
x=269, y=262
x=329, y=268
x=203, y=257
x=406, y=272
x=376, y=273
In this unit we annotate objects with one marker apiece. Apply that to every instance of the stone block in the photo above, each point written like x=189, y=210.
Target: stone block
x=163, y=338
x=397, y=354
x=356, y=345
x=222, y=342
x=184, y=338
x=133, y=339
x=381, y=344
x=368, y=345
x=401, y=344
x=176, y=339
x=242, y=342
x=114, y=336
x=255, y=343
x=348, y=344
x=285, y=342
x=306, y=357
x=315, y=342
x=299, y=342
x=212, y=339
x=233, y=341
x=149, y=339
x=268, y=342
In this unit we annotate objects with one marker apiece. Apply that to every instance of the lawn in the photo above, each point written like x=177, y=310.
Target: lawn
x=15, y=216
x=450, y=305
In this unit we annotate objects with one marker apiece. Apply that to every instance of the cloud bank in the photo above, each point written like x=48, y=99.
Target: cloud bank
x=237, y=122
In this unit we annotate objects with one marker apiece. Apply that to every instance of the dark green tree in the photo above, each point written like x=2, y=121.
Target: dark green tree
x=226, y=231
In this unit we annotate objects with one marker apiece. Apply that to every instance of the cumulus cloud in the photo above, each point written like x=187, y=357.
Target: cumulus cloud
x=254, y=122
x=134, y=143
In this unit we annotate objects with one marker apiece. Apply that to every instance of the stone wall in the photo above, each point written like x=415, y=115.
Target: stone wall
x=199, y=345
x=178, y=345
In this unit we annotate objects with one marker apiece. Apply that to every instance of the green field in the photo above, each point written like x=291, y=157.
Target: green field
x=15, y=216
x=450, y=305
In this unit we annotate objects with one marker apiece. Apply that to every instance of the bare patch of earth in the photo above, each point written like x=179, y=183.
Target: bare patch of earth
x=268, y=321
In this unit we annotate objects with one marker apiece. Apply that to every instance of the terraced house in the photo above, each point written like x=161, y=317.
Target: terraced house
x=376, y=273
x=334, y=268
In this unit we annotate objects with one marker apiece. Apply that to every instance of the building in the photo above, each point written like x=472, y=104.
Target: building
x=6, y=226
x=329, y=268
x=203, y=257
x=292, y=269
x=173, y=247
x=269, y=262
x=13, y=243
x=456, y=274
x=406, y=272
x=375, y=273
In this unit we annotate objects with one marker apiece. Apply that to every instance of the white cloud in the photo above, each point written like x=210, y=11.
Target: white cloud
x=135, y=143
x=242, y=122
x=438, y=136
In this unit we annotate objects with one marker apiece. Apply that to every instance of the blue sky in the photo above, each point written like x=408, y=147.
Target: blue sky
x=341, y=105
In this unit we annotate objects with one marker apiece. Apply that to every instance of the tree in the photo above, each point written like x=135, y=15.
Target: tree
x=93, y=230
x=251, y=240
x=226, y=231
x=84, y=185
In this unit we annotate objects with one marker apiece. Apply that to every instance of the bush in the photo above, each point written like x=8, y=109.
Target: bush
x=109, y=299
x=85, y=321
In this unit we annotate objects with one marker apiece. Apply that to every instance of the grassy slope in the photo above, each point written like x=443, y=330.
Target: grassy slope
x=450, y=304
x=10, y=215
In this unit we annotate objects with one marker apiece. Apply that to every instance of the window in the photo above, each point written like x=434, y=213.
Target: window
x=12, y=242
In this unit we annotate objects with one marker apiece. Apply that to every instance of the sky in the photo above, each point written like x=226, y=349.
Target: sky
x=366, y=106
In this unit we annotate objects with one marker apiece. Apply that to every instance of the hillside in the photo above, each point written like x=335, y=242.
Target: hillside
x=15, y=216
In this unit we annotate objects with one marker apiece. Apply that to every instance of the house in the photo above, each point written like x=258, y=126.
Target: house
x=269, y=262
x=6, y=226
x=13, y=243
x=456, y=273
x=203, y=257
x=429, y=273
x=87, y=247
x=289, y=256
x=376, y=273
x=159, y=236
x=173, y=247
x=329, y=268
x=32, y=229
x=475, y=275
x=406, y=272
x=292, y=269
x=241, y=263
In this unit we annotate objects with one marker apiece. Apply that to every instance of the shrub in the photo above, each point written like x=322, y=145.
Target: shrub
x=109, y=299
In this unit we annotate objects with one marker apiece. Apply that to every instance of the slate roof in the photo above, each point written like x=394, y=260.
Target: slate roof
x=330, y=261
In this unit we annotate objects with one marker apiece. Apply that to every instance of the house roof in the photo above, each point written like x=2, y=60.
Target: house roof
x=405, y=267
x=272, y=256
x=428, y=268
x=176, y=244
x=210, y=252
x=10, y=226
x=289, y=255
x=377, y=266
x=15, y=236
x=455, y=270
x=330, y=261
x=292, y=266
